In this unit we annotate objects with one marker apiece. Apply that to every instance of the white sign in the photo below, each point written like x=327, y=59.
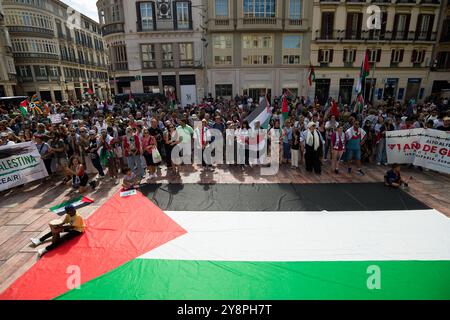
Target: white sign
x=427, y=148
x=19, y=164
x=55, y=118
x=128, y=193
x=188, y=95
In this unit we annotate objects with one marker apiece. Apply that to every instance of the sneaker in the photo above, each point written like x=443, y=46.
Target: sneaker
x=349, y=170
x=378, y=163
x=41, y=252
x=35, y=241
x=361, y=172
x=101, y=177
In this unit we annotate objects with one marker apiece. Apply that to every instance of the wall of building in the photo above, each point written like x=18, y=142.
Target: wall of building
x=58, y=52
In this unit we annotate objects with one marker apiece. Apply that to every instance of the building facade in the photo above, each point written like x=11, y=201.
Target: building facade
x=155, y=46
x=58, y=52
x=258, y=46
x=399, y=35
x=8, y=79
x=440, y=71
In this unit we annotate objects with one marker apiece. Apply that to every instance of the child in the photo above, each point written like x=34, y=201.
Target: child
x=130, y=180
x=393, y=177
x=73, y=225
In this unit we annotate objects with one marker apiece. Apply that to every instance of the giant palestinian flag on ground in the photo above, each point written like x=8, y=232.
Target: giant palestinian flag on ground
x=263, y=241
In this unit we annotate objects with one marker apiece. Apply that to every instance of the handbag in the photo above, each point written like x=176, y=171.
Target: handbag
x=76, y=183
x=156, y=155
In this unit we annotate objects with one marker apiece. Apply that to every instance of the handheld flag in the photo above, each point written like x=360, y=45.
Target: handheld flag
x=312, y=75
x=23, y=108
x=36, y=107
x=363, y=74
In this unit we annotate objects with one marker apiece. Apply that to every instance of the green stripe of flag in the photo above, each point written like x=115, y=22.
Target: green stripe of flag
x=78, y=202
x=180, y=280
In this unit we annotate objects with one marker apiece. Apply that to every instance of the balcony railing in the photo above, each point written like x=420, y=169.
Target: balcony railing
x=25, y=79
x=35, y=55
x=406, y=1
x=32, y=30
x=295, y=22
x=222, y=22
x=121, y=66
x=113, y=28
x=259, y=21
x=433, y=2
x=374, y=35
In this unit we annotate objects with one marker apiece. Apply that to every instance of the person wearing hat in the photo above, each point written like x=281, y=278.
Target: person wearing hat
x=72, y=226
x=446, y=126
x=313, y=149
x=4, y=139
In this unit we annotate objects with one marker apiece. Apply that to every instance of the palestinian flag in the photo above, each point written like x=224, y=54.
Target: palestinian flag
x=285, y=109
x=262, y=114
x=252, y=242
x=79, y=202
x=363, y=73
x=23, y=108
x=311, y=75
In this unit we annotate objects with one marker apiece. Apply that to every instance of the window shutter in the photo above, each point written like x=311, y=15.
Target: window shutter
x=392, y=55
x=384, y=17
x=378, y=55
x=414, y=56
x=349, y=31
x=138, y=15
x=320, y=55
x=174, y=15
x=331, y=55
x=154, y=15
x=408, y=21
x=430, y=27
x=423, y=56
x=400, y=59
x=345, y=55
x=394, y=30
x=419, y=25
x=190, y=15
x=358, y=30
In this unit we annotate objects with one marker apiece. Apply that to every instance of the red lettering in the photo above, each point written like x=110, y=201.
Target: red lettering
x=416, y=145
x=426, y=148
x=444, y=152
x=406, y=147
x=433, y=149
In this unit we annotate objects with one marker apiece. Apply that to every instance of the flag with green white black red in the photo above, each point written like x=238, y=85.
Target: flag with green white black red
x=252, y=242
x=78, y=202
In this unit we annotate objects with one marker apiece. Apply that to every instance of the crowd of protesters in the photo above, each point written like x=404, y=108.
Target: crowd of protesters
x=135, y=138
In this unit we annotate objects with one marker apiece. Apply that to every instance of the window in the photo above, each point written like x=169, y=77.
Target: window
x=148, y=56
x=295, y=9
x=291, y=49
x=349, y=56
x=401, y=26
x=186, y=55
x=167, y=55
x=54, y=71
x=325, y=55
x=259, y=8
x=397, y=55
x=374, y=55
x=424, y=26
x=418, y=56
x=24, y=71
x=183, y=19
x=257, y=59
x=42, y=71
x=221, y=8
x=222, y=42
x=223, y=60
x=146, y=14
x=257, y=42
x=224, y=90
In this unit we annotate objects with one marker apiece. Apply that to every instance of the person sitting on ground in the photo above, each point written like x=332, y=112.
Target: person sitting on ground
x=393, y=177
x=130, y=180
x=72, y=226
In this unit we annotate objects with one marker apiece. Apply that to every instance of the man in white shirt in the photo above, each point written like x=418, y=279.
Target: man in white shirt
x=4, y=139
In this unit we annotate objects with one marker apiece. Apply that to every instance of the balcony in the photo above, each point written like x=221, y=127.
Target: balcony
x=42, y=78
x=374, y=35
x=355, y=1
x=32, y=31
x=407, y=2
x=25, y=79
x=221, y=22
x=258, y=23
x=120, y=66
x=35, y=55
x=430, y=2
x=113, y=28
x=381, y=1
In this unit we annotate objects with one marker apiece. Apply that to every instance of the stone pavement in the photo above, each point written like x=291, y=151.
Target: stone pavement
x=24, y=212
